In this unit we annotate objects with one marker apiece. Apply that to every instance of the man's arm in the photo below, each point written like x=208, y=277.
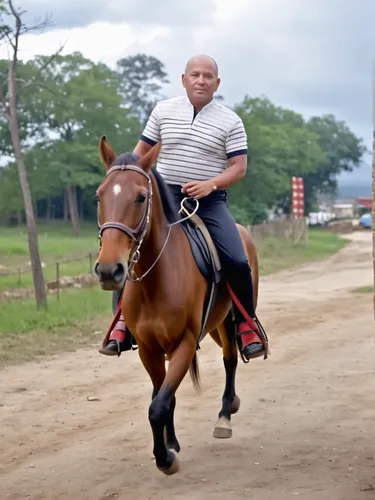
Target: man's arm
x=232, y=174
x=235, y=171
x=236, y=150
x=142, y=148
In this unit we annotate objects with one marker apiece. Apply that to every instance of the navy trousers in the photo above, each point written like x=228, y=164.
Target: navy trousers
x=214, y=212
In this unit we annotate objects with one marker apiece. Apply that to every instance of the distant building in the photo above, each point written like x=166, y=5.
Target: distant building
x=344, y=209
x=364, y=203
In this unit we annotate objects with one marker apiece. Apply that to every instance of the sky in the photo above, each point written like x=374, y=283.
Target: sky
x=314, y=57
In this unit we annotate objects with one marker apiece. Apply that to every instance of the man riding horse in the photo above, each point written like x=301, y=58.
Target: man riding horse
x=203, y=152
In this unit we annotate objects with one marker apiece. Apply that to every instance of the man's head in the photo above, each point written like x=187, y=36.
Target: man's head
x=201, y=80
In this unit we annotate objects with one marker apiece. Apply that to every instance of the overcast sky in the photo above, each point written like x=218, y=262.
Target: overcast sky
x=312, y=56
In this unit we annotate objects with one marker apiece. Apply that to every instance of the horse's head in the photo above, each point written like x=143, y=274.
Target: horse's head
x=124, y=211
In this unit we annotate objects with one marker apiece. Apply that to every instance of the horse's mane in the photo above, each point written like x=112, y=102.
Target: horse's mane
x=170, y=207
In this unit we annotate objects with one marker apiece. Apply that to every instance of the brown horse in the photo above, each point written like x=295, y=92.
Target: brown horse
x=163, y=307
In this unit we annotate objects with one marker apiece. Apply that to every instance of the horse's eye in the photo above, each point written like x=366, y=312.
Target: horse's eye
x=140, y=198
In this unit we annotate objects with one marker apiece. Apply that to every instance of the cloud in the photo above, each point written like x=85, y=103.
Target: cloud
x=72, y=13
x=314, y=57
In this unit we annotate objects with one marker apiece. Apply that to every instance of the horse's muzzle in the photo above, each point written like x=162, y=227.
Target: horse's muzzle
x=111, y=276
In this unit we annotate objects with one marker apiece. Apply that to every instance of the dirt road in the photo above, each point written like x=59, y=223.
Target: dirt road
x=306, y=427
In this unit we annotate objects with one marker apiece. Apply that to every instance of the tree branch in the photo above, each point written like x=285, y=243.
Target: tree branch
x=17, y=17
x=32, y=80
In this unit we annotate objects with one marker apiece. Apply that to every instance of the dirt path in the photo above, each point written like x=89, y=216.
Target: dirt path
x=306, y=427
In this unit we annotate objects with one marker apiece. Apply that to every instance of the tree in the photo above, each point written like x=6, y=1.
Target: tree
x=9, y=101
x=80, y=102
x=142, y=78
x=280, y=146
x=343, y=152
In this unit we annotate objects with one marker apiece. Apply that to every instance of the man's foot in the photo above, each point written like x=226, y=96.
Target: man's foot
x=119, y=341
x=251, y=344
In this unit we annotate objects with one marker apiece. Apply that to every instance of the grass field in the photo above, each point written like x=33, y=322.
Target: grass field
x=275, y=254
x=72, y=322
x=364, y=289
x=55, y=243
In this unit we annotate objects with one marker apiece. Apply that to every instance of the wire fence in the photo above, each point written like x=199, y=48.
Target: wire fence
x=62, y=274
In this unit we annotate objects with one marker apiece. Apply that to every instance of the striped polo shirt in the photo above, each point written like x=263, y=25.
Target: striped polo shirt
x=194, y=147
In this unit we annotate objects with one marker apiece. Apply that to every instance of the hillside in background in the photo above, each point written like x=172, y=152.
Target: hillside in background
x=357, y=183
x=354, y=190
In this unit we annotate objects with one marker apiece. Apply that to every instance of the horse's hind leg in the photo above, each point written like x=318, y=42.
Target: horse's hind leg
x=230, y=401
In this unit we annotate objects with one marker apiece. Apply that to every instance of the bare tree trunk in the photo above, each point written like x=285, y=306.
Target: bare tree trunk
x=80, y=206
x=66, y=208
x=373, y=207
x=19, y=218
x=36, y=265
x=73, y=209
x=49, y=208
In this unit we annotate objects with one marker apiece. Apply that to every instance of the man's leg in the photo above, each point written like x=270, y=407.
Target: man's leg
x=120, y=339
x=214, y=212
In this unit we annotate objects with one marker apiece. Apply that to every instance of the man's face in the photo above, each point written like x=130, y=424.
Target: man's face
x=200, y=81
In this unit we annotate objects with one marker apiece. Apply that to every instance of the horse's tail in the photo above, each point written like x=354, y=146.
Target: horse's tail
x=194, y=374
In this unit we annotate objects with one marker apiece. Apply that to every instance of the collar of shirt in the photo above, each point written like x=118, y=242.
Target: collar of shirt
x=207, y=106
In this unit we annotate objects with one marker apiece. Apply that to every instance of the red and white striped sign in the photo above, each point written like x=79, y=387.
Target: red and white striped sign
x=298, y=200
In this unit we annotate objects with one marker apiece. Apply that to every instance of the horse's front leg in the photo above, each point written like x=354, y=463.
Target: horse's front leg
x=170, y=433
x=153, y=359
x=230, y=401
x=158, y=414
x=162, y=406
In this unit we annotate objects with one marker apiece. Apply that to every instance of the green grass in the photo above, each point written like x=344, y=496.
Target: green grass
x=25, y=280
x=364, y=289
x=55, y=243
x=71, y=322
x=72, y=306
x=276, y=254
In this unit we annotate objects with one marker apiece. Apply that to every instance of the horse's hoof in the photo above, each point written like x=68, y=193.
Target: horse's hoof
x=223, y=429
x=174, y=446
x=235, y=405
x=173, y=468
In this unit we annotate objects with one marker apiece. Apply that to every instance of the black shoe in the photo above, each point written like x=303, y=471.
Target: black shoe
x=115, y=348
x=254, y=350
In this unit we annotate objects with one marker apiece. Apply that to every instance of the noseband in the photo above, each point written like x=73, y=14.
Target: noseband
x=137, y=234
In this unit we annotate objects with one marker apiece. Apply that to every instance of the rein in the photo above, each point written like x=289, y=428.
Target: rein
x=138, y=234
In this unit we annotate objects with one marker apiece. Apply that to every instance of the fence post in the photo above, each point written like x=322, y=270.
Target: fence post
x=58, y=281
x=90, y=268
x=90, y=263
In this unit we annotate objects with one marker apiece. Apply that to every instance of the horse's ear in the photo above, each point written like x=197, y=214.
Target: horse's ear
x=107, y=155
x=150, y=158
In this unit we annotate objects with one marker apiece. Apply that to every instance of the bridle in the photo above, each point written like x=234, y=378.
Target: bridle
x=138, y=234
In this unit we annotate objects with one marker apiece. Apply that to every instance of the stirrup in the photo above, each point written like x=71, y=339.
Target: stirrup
x=263, y=340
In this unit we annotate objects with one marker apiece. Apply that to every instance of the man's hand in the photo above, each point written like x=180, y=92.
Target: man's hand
x=197, y=189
